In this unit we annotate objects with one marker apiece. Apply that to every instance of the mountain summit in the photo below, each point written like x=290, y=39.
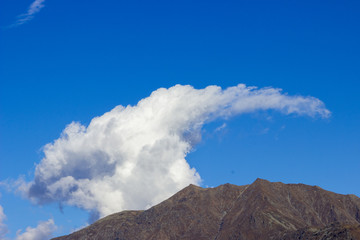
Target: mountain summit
x=261, y=210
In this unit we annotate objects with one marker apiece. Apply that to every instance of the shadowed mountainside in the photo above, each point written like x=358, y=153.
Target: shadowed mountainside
x=261, y=210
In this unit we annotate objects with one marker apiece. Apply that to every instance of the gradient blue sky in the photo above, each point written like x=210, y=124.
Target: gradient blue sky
x=78, y=59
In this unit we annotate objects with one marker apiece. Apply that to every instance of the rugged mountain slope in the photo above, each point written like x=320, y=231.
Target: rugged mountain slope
x=262, y=210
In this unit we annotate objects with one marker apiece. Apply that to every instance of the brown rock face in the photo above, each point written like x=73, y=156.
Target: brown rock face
x=262, y=210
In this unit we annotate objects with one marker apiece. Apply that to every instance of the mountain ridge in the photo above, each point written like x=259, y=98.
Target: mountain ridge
x=261, y=210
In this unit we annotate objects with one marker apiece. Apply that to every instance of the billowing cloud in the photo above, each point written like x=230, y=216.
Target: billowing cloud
x=134, y=157
x=3, y=227
x=34, y=8
x=43, y=231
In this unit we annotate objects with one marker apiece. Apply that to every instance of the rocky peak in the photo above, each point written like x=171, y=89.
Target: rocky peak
x=261, y=210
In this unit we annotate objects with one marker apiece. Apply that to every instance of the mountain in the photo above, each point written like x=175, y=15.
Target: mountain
x=261, y=210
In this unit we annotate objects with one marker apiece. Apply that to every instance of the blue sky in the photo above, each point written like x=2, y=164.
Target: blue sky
x=73, y=61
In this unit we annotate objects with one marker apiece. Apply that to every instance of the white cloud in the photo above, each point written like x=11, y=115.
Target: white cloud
x=3, y=227
x=223, y=126
x=34, y=8
x=43, y=231
x=134, y=157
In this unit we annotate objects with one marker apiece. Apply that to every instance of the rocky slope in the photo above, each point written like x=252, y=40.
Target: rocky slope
x=261, y=210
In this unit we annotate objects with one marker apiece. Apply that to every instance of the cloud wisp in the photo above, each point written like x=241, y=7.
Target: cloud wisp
x=43, y=231
x=34, y=8
x=134, y=157
x=3, y=227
